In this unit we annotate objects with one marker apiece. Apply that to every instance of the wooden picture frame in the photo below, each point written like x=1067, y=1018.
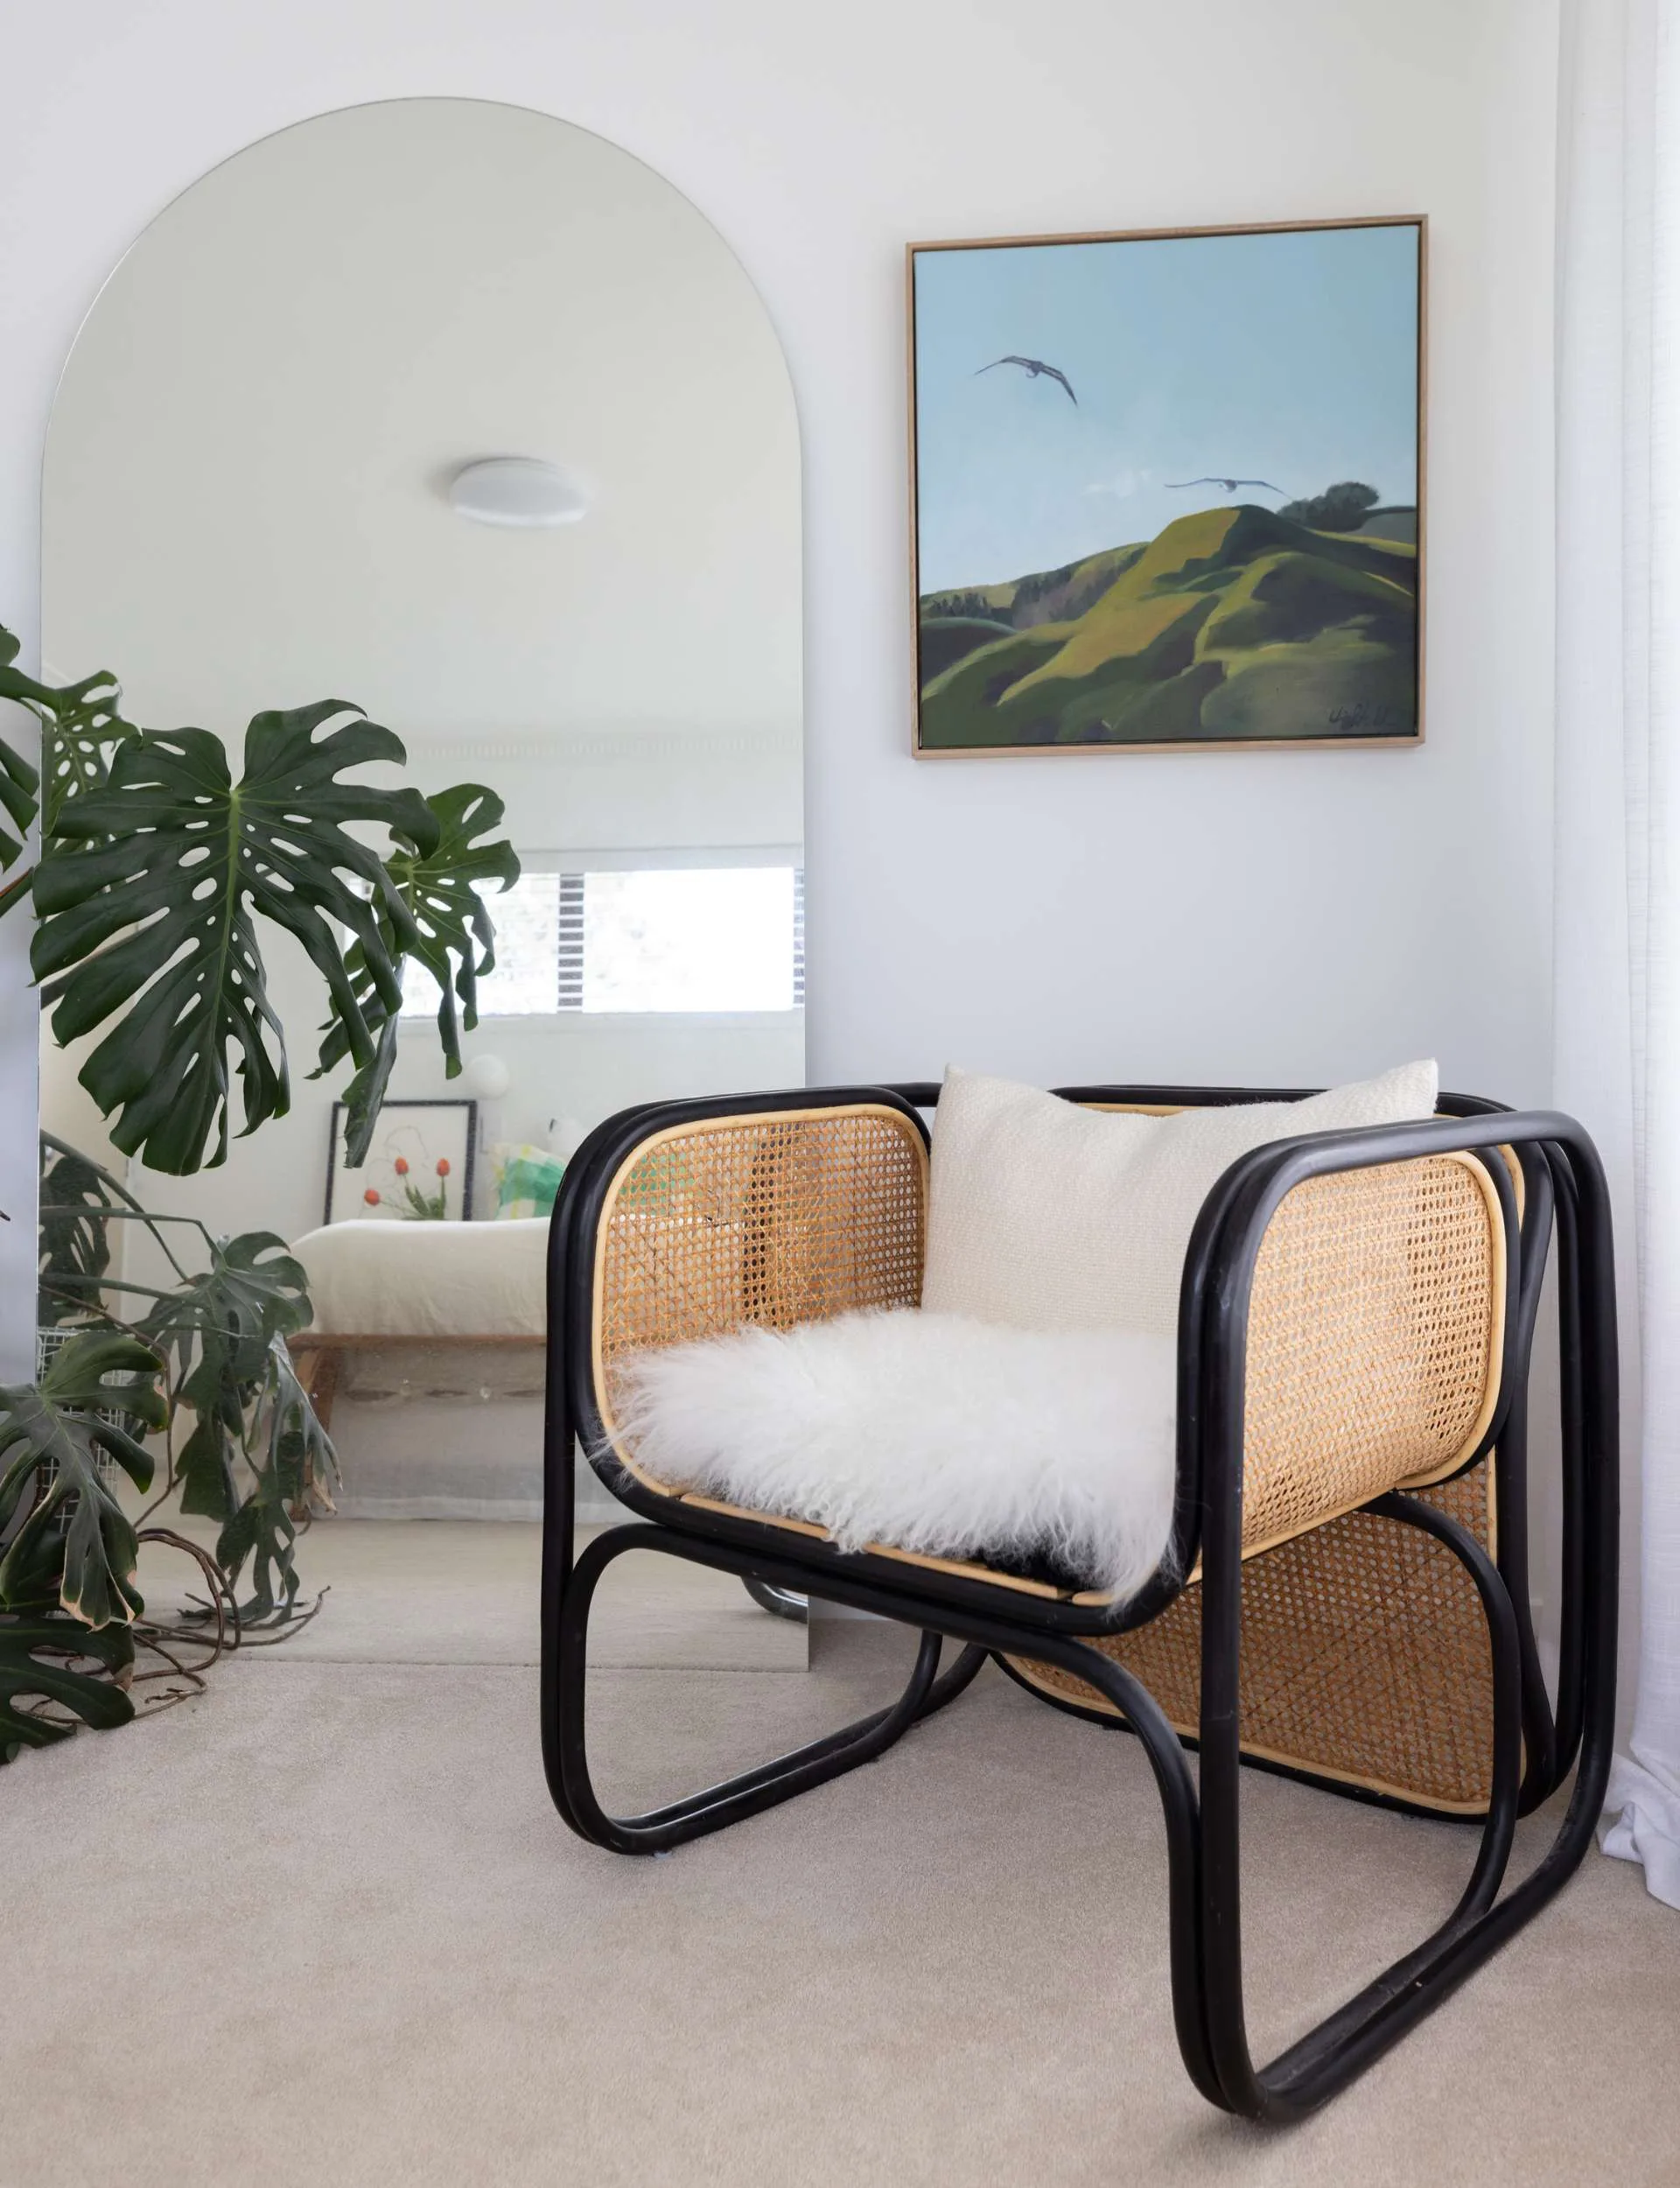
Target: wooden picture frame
x=421, y=1134
x=1315, y=639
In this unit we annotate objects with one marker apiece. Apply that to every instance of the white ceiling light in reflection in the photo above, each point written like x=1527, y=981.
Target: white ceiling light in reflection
x=521, y=491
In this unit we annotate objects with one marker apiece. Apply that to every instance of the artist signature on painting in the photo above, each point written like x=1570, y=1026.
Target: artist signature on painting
x=1355, y=718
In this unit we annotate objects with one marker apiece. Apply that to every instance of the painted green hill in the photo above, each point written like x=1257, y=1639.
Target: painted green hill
x=1230, y=624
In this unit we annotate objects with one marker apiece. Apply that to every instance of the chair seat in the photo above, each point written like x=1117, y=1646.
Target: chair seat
x=964, y=1568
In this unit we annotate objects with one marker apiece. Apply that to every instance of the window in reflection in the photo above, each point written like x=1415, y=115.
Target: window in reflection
x=686, y=938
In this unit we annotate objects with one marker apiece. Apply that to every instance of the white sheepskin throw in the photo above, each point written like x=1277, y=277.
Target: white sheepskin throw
x=927, y=1431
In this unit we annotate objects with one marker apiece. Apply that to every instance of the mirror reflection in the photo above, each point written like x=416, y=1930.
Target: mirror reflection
x=464, y=416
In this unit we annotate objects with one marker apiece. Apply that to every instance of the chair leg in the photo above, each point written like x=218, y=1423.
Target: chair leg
x=1203, y=1902
x=1341, y=2048
x=949, y=1685
x=736, y=1798
x=566, y=1751
x=1205, y=1912
x=1181, y=1814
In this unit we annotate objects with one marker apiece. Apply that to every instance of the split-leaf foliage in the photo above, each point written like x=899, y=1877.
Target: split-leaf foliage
x=156, y=874
x=158, y=870
x=205, y=1355
x=67, y=1592
x=438, y=883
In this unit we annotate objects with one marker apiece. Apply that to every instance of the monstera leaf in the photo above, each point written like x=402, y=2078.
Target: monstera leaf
x=19, y=782
x=75, y=1246
x=80, y=732
x=76, y=1541
x=80, y=726
x=225, y=1331
x=35, y=1659
x=257, y=1450
x=78, y=1199
x=148, y=894
x=438, y=884
x=18, y=785
x=218, y=1333
x=296, y=1460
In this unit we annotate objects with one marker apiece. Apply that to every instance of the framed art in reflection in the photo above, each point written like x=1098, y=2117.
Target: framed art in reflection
x=419, y=1166
x=1167, y=489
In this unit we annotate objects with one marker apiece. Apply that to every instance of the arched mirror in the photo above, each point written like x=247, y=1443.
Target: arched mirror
x=461, y=414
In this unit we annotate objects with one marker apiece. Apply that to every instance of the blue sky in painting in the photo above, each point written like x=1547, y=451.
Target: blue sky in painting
x=1286, y=357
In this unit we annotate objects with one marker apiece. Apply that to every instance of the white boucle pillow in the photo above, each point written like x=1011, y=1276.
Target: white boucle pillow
x=1045, y=1216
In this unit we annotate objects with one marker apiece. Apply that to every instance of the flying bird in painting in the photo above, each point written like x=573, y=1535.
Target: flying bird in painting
x=1230, y=485
x=1035, y=368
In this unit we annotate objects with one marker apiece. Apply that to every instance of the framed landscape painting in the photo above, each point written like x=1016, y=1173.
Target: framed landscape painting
x=1166, y=489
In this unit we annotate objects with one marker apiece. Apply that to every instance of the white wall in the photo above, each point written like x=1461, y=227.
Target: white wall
x=631, y=790
x=1284, y=917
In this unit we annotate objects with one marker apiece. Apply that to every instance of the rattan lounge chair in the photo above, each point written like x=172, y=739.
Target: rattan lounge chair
x=1345, y=1596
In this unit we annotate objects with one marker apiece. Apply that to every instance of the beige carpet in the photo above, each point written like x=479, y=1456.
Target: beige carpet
x=323, y=1926
x=464, y=1591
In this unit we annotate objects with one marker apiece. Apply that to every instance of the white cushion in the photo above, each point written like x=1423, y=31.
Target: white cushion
x=1047, y=1215
x=927, y=1431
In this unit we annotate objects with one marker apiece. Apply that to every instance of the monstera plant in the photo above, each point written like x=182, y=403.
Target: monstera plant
x=157, y=875
x=67, y=1578
x=158, y=870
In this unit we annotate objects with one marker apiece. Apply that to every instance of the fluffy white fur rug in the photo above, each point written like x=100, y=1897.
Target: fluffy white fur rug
x=929, y=1432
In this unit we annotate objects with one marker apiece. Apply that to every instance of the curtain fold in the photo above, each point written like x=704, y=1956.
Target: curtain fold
x=1617, y=938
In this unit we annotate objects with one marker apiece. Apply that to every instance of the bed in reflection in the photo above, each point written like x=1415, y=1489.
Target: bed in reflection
x=427, y=1342
x=432, y=1310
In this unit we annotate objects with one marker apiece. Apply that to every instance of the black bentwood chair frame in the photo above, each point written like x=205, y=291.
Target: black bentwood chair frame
x=1016, y=1620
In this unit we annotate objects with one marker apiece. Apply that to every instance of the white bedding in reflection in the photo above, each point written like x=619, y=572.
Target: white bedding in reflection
x=423, y=1279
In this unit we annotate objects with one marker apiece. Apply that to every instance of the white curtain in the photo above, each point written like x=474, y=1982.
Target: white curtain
x=1618, y=798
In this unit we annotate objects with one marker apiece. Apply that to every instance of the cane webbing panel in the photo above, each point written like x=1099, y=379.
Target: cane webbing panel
x=1365, y=1656
x=785, y=1216
x=1374, y=1339
x=790, y=1217
x=782, y=1217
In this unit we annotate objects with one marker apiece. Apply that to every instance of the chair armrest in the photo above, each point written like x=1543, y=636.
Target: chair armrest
x=694, y=1218
x=1375, y=1339
x=1348, y=1319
